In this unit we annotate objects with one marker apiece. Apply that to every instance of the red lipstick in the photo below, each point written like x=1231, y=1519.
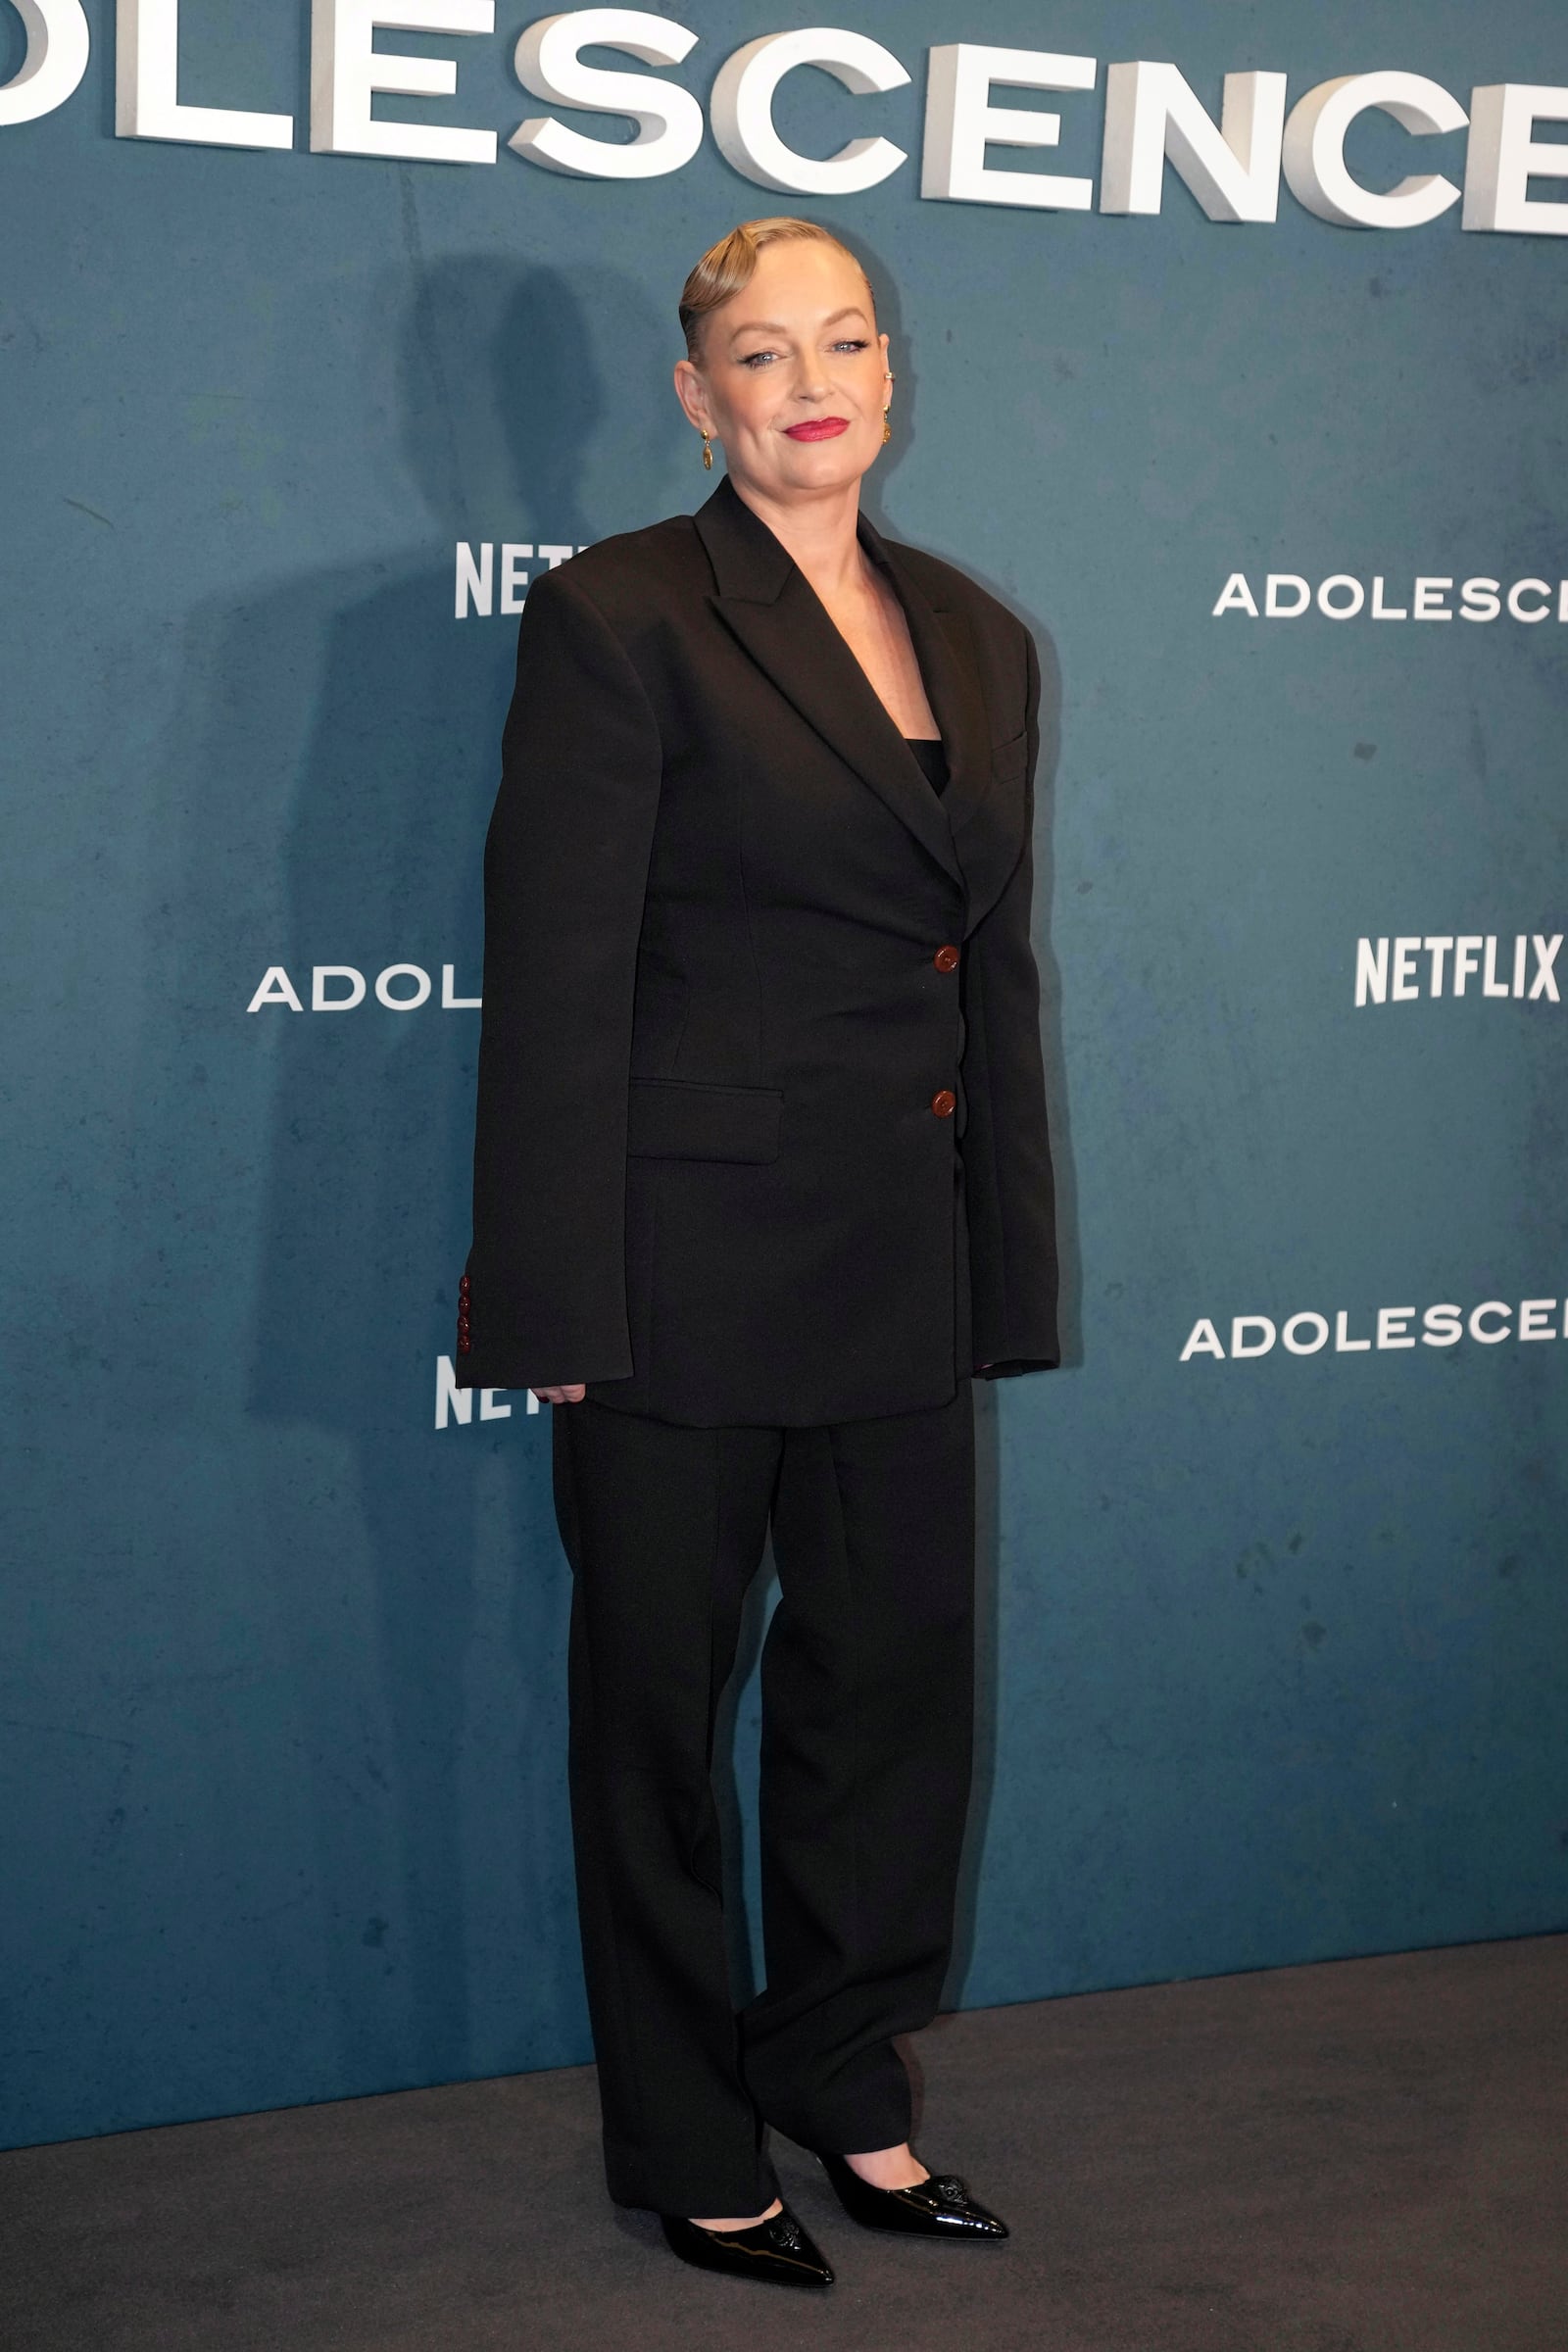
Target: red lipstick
x=818, y=428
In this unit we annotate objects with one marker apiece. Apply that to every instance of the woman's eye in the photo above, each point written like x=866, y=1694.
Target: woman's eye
x=763, y=358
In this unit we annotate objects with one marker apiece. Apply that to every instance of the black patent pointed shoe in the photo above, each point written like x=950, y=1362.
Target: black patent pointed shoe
x=777, y=2250
x=939, y=2206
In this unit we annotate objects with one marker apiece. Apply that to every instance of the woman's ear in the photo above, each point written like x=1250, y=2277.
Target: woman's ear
x=690, y=393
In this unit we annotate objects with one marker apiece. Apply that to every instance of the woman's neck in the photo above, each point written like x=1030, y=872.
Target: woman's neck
x=819, y=531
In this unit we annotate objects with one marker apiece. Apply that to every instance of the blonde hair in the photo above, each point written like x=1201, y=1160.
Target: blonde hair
x=728, y=266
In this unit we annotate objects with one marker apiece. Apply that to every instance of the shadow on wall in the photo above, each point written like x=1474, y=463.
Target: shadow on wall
x=364, y=1229
x=327, y=782
x=401, y=1768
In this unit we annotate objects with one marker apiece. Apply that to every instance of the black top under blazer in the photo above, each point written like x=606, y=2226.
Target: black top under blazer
x=752, y=1144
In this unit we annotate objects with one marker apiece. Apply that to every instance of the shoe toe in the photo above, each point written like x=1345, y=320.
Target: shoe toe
x=789, y=2243
x=957, y=2209
x=778, y=2250
x=939, y=2206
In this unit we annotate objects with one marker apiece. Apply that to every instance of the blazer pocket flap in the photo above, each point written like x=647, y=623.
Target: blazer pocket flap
x=1007, y=759
x=670, y=1118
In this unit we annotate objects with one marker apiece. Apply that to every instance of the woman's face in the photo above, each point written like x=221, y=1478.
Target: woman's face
x=792, y=378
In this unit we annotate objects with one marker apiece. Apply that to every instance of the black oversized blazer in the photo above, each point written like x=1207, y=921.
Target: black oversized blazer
x=751, y=1146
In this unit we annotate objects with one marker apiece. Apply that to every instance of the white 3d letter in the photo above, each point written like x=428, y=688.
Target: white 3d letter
x=146, y=88
x=959, y=120
x=742, y=110
x=346, y=70
x=1152, y=113
x=56, y=61
x=1314, y=150
x=668, y=119
x=1503, y=156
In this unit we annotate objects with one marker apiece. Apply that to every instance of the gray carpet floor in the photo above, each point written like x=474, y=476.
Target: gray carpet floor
x=1368, y=2156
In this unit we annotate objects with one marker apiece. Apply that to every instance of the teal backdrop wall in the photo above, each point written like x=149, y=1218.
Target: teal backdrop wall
x=1275, y=1641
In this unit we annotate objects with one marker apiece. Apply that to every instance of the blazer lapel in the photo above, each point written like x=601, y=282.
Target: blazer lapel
x=770, y=607
x=946, y=654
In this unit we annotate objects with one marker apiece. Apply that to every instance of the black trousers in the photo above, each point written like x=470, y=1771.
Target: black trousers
x=868, y=1711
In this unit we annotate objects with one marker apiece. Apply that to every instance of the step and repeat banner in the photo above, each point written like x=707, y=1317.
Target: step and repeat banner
x=1231, y=350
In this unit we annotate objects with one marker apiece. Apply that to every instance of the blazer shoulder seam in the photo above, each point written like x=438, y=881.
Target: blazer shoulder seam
x=579, y=592
x=621, y=587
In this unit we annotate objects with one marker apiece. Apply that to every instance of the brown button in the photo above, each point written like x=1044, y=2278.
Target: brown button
x=462, y=1282
x=462, y=1345
x=946, y=959
x=944, y=1103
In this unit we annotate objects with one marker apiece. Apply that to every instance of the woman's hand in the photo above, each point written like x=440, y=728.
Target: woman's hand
x=572, y=1393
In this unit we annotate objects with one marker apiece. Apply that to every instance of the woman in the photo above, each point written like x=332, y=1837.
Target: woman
x=761, y=1177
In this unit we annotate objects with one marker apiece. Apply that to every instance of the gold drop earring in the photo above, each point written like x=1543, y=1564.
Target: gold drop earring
x=707, y=452
x=887, y=430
